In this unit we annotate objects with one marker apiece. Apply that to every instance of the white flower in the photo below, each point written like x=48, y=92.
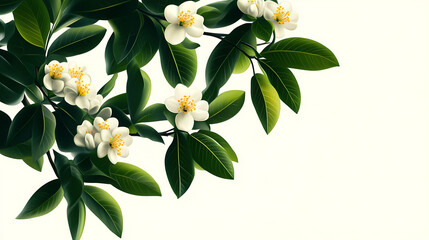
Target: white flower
x=109, y=124
x=188, y=105
x=56, y=75
x=76, y=71
x=183, y=19
x=105, y=113
x=254, y=8
x=95, y=104
x=114, y=143
x=78, y=92
x=86, y=136
x=281, y=15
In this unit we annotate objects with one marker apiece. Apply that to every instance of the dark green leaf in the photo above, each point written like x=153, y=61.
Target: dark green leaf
x=32, y=21
x=2, y=30
x=178, y=63
x=262, y=29
x=103, y=9
x=284, y=82
x=22, y=125
x=108, y=87
x=266, y=101
x=201, y=125
x=158, y=6
x=5, y=122
x=300, y=53
x=149, y=132
x=70, y=177
x=119, y=101
x=86, y=166
x=43, y=134
x=17, y=151
x=13, y=69
x=104, y=207
x=134, y=180
x=171, y=117
x=153, y=113
x=7, y=6
x=68, y=118
x=53, y=7
x=211, y=156
x=138, y=91
x=179, y=164
x=43, y=201
x=9, y=30
x=222, y=142
x=76, y=215
x=189, y=44
x=11, y=92
x=124, y=120
x=222, y=60
x=225, y=106
x=220, y=14
x=35, y=164
x=34, y=93
x=83, y=22
x=76, y=41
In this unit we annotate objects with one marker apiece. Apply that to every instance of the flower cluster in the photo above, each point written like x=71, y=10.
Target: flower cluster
x=281, y=14
x=105, y=135
x=72, y=82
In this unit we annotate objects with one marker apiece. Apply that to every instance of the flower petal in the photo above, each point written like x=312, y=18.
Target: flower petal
x=200, y=115
x=105, y=135
x=253, y=10
x=170, y=13
x=113, y=123
x=174, y=34
x=79, y=140
x=180, y=90
x=202, y=105
x=123, y=131
x=105, y=113
x=47, y=81
x=280, y=30
x=89, y=141
x=172, y=104
x=128, y=140
x=294, y=16
x=194, y=31
x=102, y=149
x=243, y=5
x=98, y=121
x=82, y=102
x=184, y=121
x=97, y=139
x=70, y=98
x=290, y=26
x=112, y=154
x=124, y=152
x=188, y=5
x=195, y=94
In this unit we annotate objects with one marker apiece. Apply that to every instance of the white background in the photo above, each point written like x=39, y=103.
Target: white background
x=353, y=164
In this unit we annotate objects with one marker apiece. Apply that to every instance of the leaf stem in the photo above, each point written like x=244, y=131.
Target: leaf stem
x=25, y=101
x=48, y=153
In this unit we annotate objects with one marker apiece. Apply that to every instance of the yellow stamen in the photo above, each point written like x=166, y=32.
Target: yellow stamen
x=55, y=71
x=186, y=19
x=116, y=143
x=82, y=89
x=76, y=73
x=186, y=105
x=281, y=16
x=90, y=132
x=104, y=125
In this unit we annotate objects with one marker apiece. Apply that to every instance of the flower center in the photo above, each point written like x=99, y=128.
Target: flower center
x=186, y=105
x=90, y=131
x=76, y=73
x=281, y=16
x=116, y=143
x=82, y=89
x=55, y=71
x=104, y=125
x=185, y=19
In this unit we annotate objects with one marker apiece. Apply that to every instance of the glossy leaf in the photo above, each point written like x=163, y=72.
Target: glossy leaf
x=53, y=7
x=138, y=91
x=9, y=30
x=70, y=177
x=7, y=6
x=178, y=63
x=76, y=41
x=13, y=69
x=30, y=55
x=11, y=92
x=262, y=29
x=222, y=142
x=179, y=164
x=103, y=9
x=300, y=53
x=120, y=101
x=134, y=180
x=220, y=14
x=149, y=132
x=32, y=21
x=34, y=93
x=211, y=156
x=108, y=87
x=284, y=82
x=68, y=118
x=82, y=22
x=189, y=44
x=225, y=106
x=153, y=113
x=76, y=216
x=2, y=30
x=43, y=134
x=5, y=122
x=43, y=201
x=104, y=207
x=266, y=101
x=159, y=5
x=22, y=125
x=222, y=60
x=34, y=163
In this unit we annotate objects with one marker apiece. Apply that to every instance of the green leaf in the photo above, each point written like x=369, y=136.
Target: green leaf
x=76, y=41
x=120, y=101
x=68, y=118
x=189, y=44
x=201, y=125
x=83, y=22
x=300, y=53
x=2, y=30
x=32, y=21
x=284, y=82
x=53, y=7
x=158, y=6
x=17, y=151
x=134, y=180
x=11, y=92
x=179, y=164
x=5, y=122
x=11, y=68
x=76, y=215
x=104, y=207
x=222, y=142
x=108, y=87
x=9, y=30
x=222, y=60
x=35, y=164
x=220, y=14
x=262, y=29
x=138, y=91
x=124, y=120
x=225, y=106
x=153, y=113
x=22, y=125
x=43, y=201
x=33, y=92
x=86, y=166
x=149, y=132
x=171, y=117
x=178, y=63
x=43, y=134
x=211, y=156
x=266, y=101
x=103, y=9
x=70, y=177
x=7, y=6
